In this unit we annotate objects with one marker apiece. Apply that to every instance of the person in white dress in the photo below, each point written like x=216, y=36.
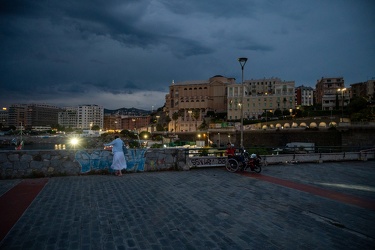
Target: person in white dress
x=119, y=161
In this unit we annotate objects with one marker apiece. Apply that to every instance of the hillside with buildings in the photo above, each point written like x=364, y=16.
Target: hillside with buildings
x=191, y=106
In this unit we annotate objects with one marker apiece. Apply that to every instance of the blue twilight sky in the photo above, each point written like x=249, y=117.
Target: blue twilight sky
x=125, y=53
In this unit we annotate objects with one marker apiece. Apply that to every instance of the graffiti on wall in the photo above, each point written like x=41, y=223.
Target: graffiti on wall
x=208, y=161
x=102, y=159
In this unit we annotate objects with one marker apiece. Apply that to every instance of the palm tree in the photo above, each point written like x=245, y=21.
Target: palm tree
x=196, y=115
x=175, y=117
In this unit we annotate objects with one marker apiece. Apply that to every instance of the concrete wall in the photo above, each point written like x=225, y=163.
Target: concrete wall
x=348, y=137
x=20, y=164
x=41, y=163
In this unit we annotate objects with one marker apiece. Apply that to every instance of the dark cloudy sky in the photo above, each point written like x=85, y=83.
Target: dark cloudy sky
x=125, y=53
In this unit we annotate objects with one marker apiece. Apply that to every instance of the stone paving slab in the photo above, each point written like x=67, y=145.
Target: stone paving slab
x=201, y=209
x=351, y=177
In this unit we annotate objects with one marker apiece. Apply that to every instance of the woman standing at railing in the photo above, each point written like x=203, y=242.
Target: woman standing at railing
x=119, y=162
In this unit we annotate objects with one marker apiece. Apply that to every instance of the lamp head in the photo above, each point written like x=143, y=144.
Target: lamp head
x=242, y=61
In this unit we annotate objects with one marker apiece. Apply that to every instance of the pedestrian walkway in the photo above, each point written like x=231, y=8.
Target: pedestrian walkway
x=14, y=202
x=301, y=206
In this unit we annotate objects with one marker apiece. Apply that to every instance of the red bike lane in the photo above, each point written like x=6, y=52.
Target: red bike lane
x=14, y=202
x=345, y=198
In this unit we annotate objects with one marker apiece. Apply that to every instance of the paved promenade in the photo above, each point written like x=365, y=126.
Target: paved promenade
x=301, y=206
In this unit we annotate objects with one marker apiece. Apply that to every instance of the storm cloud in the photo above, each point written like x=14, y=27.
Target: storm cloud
x=126, y=53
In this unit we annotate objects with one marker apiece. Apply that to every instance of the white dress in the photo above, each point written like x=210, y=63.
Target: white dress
x=119, y=161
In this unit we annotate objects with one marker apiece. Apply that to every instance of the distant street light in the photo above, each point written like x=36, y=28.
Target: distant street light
x=135, y=124
x=242, y=61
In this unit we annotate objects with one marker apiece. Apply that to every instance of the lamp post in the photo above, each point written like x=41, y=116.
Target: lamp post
x=342, y=102
x=242, y=61
x=219, y=139
x=135, y=124
x=190, y=114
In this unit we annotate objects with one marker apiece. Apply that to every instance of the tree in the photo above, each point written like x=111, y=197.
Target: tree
x=195, y=115
x=356, y=105
x=175, y=117
x=159, y=127
x=167, y=121
x=57, y=127
x=286, y=112
x=127, y=133
x=277, y=112
x=204, y=125
x=298, y=113
x=95, y=127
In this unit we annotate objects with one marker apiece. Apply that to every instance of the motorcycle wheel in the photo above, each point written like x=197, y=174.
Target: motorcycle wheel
x=231, y=165
x=257, y=169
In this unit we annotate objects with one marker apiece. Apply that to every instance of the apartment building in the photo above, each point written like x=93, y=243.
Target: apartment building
x=33, y=115
x=17, y=114
x=191, y=100
x=4, y=114
x=121, y=122
x=90, y=115
x=112, y=122
x=331, y=93
x=304, y=96
x=68, y=117
x=364, y=89
x=260, y=95
x=135, y=123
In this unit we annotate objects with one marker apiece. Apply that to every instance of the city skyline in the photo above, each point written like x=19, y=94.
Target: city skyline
x=126, y=54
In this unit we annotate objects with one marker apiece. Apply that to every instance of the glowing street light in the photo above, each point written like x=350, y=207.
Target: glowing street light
x=74, y=142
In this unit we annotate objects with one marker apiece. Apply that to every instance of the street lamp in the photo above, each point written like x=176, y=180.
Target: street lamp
x=157, y=122
x=342, y=102
x=135, y=124
x=190, y=113
x=242, y=61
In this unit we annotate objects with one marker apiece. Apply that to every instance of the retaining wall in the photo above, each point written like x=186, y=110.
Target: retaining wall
x=42, y=163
